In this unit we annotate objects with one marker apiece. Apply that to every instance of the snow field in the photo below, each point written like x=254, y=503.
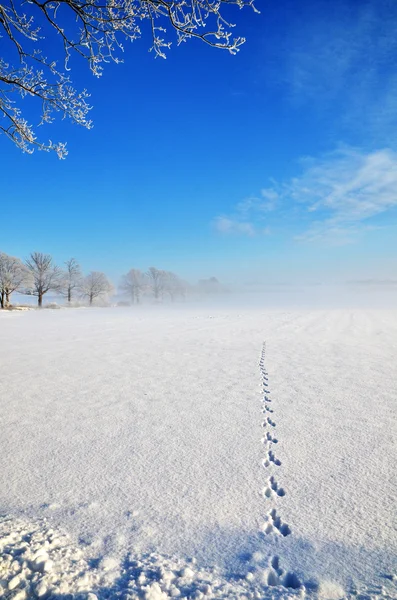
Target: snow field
x=184, y=458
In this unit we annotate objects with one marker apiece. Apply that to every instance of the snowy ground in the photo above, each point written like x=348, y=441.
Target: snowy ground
x=162, y=452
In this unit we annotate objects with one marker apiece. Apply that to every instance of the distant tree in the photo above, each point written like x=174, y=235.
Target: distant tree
x=173, y=285
x=44, y=273
x=95, y=285
x=13, y=276
x=184, y=287
x=71, y=279
x=157, y=281
x=95, y=31
x=133, y=284
x=210, y=286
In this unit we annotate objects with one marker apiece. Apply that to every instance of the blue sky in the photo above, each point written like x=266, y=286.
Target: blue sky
x=277, y=164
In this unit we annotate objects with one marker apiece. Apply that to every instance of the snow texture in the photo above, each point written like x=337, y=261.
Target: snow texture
x=153, y=453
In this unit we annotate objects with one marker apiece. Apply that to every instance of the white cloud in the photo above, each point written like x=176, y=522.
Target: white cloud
x=265, y=202
x=345, y=189
x=333, y=234
x=226, y=225
x=271, y=198
x=253, y=208
x=334, y=200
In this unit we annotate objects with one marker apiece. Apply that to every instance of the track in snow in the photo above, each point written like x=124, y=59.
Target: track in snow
x=276, y=576
x=127, y=462
x=269, y=438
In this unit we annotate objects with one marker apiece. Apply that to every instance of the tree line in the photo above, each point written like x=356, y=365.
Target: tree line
x=39, y=274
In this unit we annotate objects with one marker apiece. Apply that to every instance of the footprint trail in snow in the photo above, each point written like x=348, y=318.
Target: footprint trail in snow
x=272, y=490
x=273, y=524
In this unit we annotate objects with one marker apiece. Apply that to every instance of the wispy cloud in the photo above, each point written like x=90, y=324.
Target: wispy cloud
x=234, y=226
x=344, y=191
x=335, y=199
x=249, y=216
x=265, y=202
x=333, y=234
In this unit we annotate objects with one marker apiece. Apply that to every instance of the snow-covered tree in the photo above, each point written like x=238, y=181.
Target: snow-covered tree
x=95, y=285
x=45, y=275
x=173, y=285
x=133, y=284
x=156, y=279
x=210, y=286
x=94, y=30
x=13, y=276
x=71, y=278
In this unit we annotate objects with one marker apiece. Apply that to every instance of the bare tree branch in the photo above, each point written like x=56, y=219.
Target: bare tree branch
x=71, y=279
x=95, y=285
x=45, y=275
x=157, y=279
x=133, y=283
x=99, y=27
x=13, y=276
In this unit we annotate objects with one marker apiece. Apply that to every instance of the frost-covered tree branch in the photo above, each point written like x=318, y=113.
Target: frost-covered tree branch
x=94, y=30
x=95, y=285
x=133, y=283
x=44, y=273
x=156, y=278
x=71, y=279
x=13, y=276
x=174, y=286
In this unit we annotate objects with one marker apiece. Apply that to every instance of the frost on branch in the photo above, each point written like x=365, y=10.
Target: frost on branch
x=95, y=33
x=55, y=96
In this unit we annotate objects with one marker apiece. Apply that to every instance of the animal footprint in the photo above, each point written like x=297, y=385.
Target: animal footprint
x=276, y=576
x=271, y=439
x=275, y=525
x=291, y=581
x=275, y=563
x=272, y=488
x=275, y=572
x=273, y=459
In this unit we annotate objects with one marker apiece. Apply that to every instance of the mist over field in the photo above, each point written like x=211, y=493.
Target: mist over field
x=355, y=294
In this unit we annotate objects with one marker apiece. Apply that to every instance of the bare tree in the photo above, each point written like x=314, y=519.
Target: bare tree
x=71, y=278
x=95, y=285
x=44, y=273
x=133, y=283
x=182, y=288
x=94, y=30
x=157, y=280
x=210, y=286
x=173, y=285
x=13, y=276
